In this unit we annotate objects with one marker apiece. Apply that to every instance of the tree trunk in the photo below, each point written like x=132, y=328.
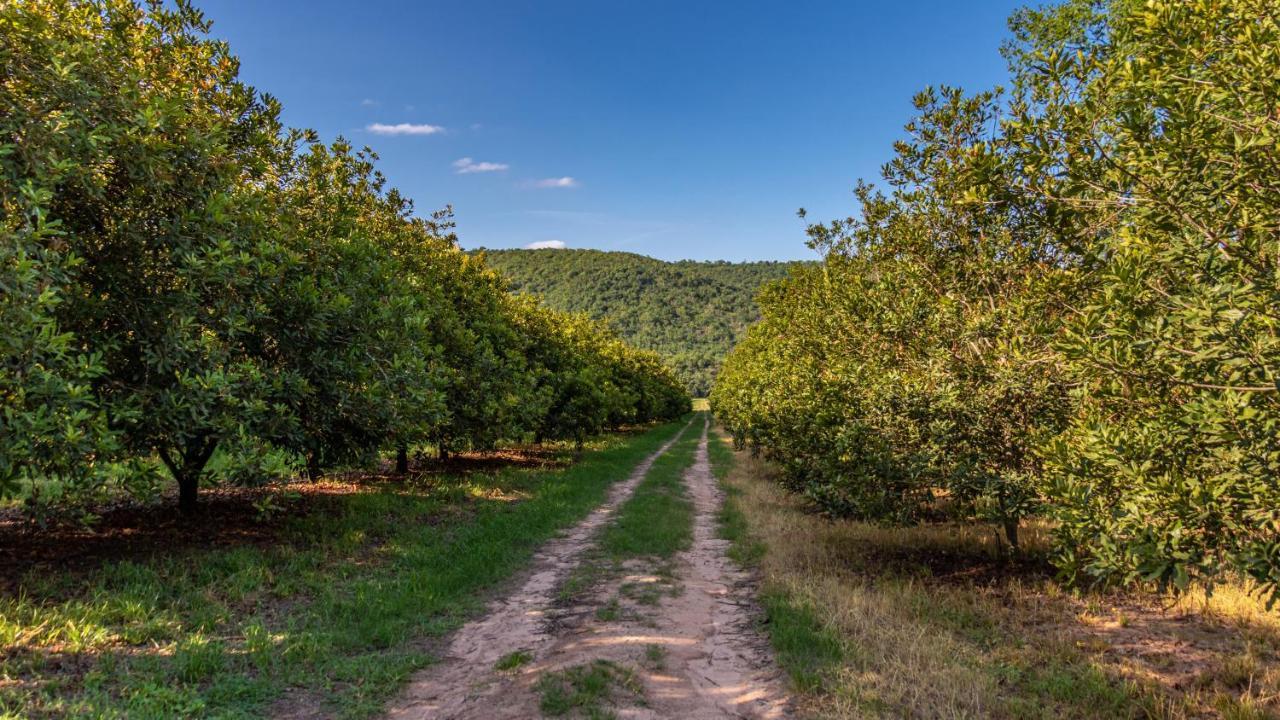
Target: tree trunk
x=1010, y=522
x=1011, y=532
x=187, y=469
x=188, y=491
x=313, y=467
x=402, y=460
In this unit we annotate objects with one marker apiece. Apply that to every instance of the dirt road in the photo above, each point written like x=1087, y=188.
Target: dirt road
x=647, y=640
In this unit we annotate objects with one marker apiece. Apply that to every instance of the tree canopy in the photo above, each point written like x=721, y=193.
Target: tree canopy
x=185, y=278
x=1064, y=305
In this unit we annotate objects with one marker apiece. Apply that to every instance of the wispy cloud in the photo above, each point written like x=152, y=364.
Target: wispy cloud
x=560, y=182
x=368, y=102
x=404, y=129
x=546, y=245
x=466, y=165
x=576, y=216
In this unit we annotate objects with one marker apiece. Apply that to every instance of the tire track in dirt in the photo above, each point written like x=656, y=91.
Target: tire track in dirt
x=465, y=682
x=717, y=663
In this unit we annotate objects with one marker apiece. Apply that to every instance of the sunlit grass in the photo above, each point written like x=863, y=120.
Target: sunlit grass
x=653, y=524
x=657, y=520
x=336, y=608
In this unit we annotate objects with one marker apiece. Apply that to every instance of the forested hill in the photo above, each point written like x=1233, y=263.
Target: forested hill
x=691, y=312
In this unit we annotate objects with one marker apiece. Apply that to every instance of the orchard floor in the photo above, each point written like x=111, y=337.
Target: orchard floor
x=231, y=516
x=660, y=575
x=933, y=622
x=314, y=600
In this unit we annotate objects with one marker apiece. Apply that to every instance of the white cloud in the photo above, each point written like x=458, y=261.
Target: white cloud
x=546, y=245
x=576, y=216
x=467, y=165
x=368, y=102
x=560, y=182
x=404, y=129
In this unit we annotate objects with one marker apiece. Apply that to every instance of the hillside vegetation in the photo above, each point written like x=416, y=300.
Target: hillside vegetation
x=689, y=312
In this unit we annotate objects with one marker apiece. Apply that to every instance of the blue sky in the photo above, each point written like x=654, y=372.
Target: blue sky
x=677, y=129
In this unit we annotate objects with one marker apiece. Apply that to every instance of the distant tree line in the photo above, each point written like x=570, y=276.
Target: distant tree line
x=690, y=312
x=1064, y=305
x=185, y=283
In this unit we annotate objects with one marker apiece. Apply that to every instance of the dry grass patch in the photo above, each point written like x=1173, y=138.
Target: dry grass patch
x=938, y=622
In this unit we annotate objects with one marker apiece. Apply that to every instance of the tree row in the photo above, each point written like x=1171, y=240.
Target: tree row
x=1063, y=304
x=188, y=286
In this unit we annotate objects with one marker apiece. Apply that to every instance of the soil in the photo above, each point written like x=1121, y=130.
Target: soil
x=684, y=630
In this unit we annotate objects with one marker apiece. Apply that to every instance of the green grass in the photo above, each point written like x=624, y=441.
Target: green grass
x=336, y=609
x=586, y=688
x=657, y=521
x=513, y=660
x=610, y=611
x=744, y=549
x=720, y=453
x=803, y=647
x=655, y=656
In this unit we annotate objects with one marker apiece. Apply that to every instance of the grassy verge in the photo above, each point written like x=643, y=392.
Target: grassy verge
x=657, y=521
x=654, y=524
x=334, y=612
x=647, y=531
x=922, y=622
